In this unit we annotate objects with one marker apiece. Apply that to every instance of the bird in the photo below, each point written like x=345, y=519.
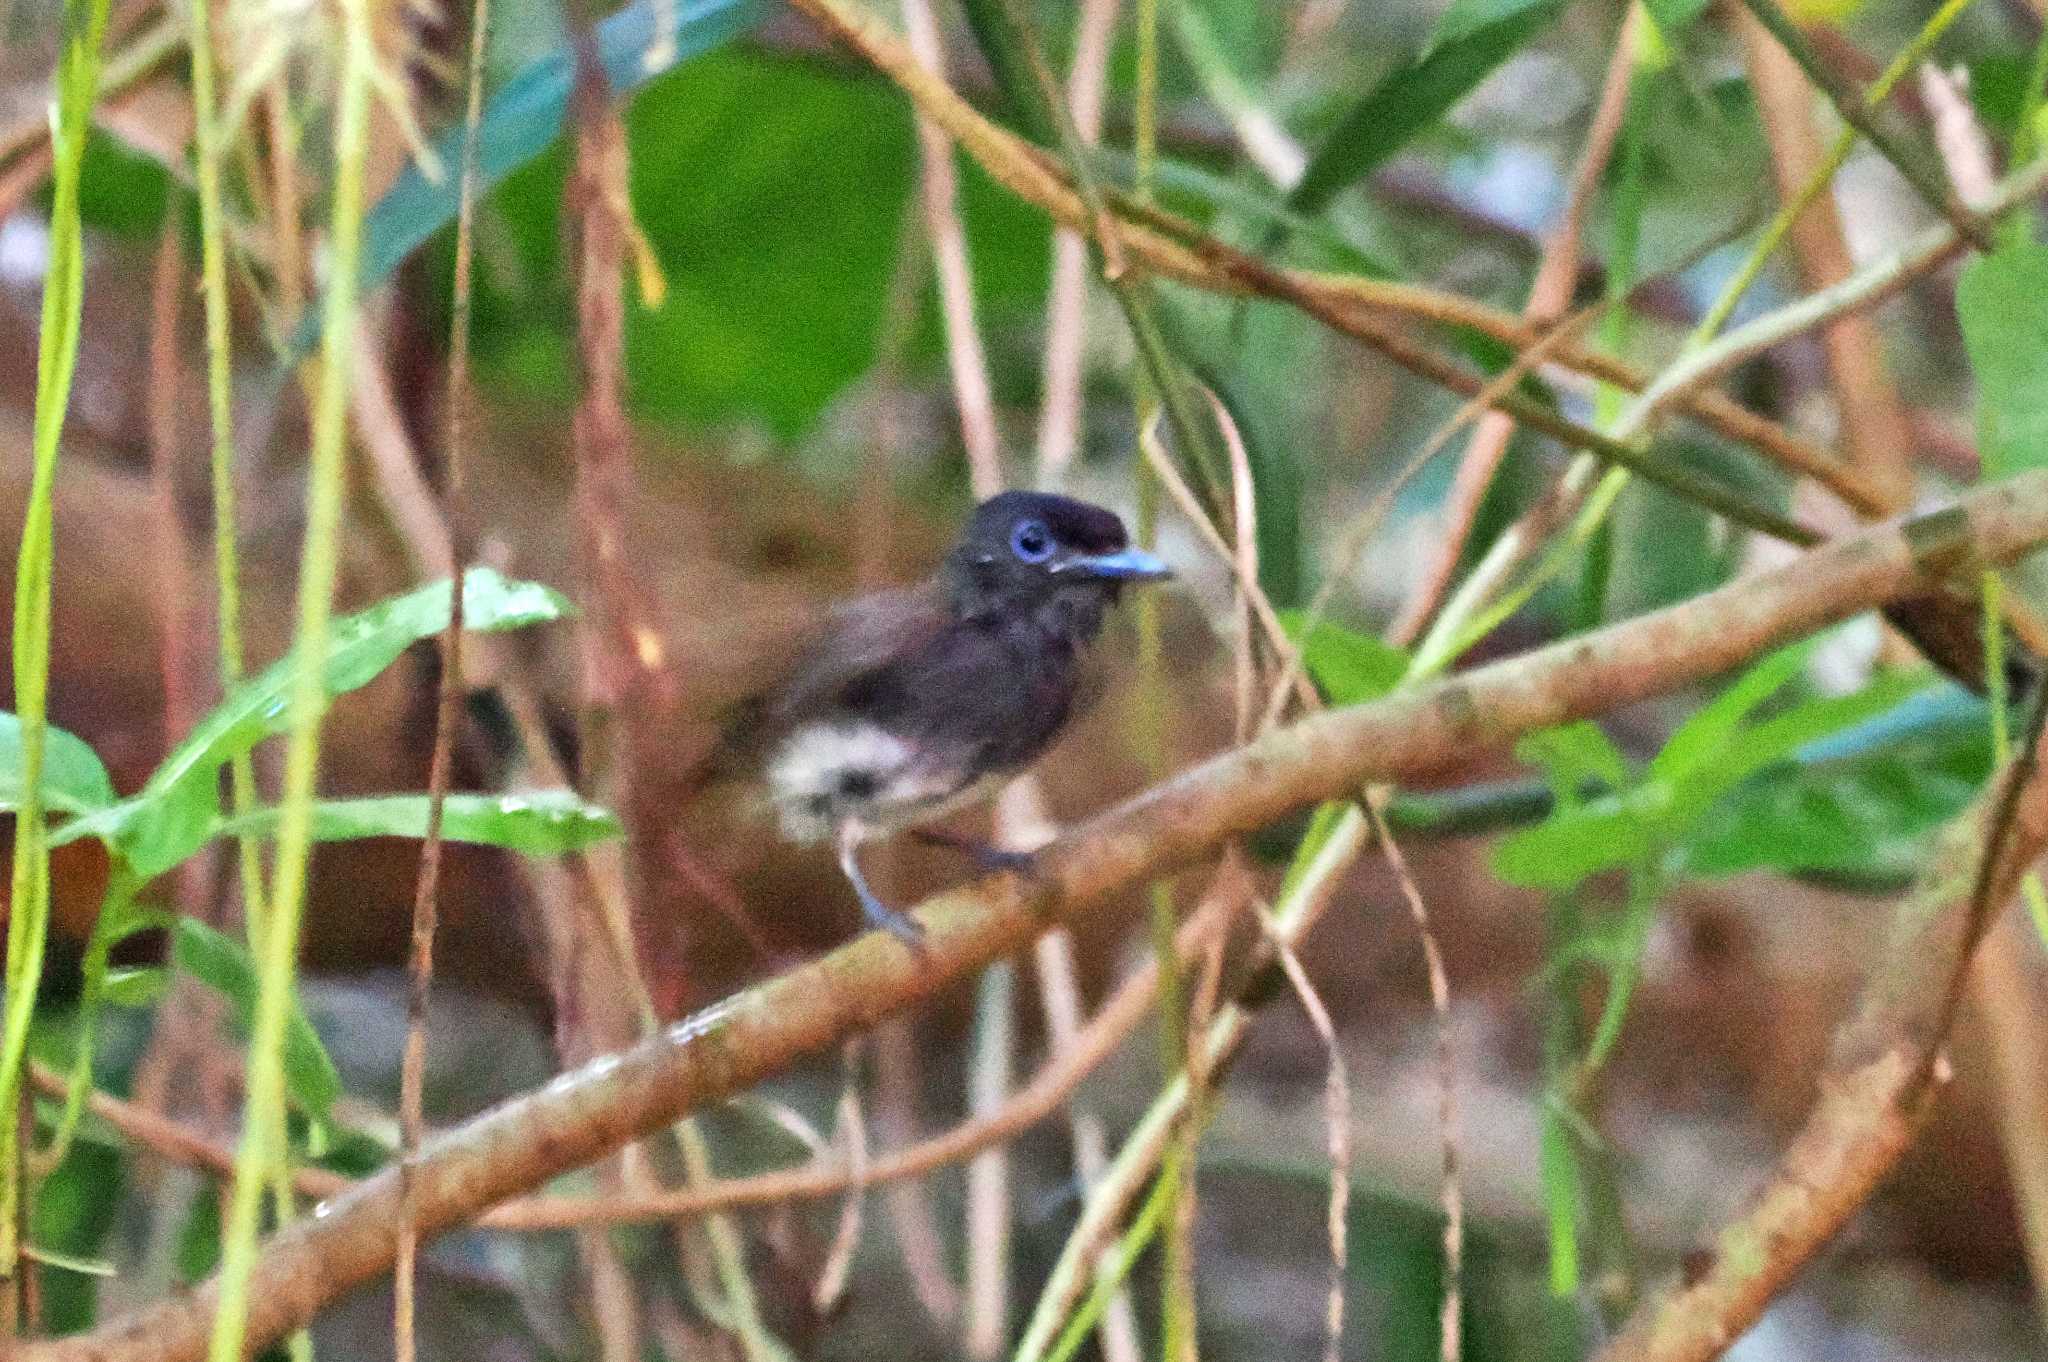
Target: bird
x=910, y=704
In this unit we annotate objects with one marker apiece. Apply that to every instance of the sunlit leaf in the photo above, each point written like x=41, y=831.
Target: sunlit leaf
x=138, y=986
x=1572, y=845
x=543, y=823
x=1706, y=736
x=175, y=811
x=1863, y=802
x=1574, y=756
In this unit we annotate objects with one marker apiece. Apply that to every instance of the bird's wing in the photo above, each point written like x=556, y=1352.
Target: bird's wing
x=857, y=643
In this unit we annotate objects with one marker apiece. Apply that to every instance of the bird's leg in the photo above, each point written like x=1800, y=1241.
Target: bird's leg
x=993, y=859
x=877, y=912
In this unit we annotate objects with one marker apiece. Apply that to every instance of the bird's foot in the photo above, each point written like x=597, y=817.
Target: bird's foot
x=992, y=859
x=897, y=924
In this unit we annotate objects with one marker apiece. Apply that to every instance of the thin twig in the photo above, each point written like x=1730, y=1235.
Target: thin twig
x=1912, y=167
x=1353, y=306
x=1337, y=1121
x=1887, y=1064
x=1450, y=1189
x=1874, y=432
x=426, y=905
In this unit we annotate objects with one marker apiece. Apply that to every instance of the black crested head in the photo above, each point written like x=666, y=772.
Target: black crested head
x=1035, y=554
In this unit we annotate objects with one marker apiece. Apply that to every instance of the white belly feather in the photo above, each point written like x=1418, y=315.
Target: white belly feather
x=827, y=773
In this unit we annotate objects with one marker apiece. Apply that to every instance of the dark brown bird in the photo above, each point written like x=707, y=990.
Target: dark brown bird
x=911, y=704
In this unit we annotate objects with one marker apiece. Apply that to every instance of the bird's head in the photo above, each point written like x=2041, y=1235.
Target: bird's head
x=1029, y=553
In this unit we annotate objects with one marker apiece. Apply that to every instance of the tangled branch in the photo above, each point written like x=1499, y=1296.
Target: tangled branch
x=582, y=1116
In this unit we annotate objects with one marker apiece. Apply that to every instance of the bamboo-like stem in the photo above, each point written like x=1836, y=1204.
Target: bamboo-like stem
x=426, y=905
x=277, y=963
x=28, y=918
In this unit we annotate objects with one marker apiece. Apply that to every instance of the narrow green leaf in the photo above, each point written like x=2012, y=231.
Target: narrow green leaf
x=1558, y=1161
x=1347, y=666
x=1207, y=194
x=2000, y=303
x=175, y=812
x=138, y=986
x=1705, y=737
x=1777, y=738
x=1473, y=39
x=1673, y=17
x=1571, y=846
x=1463, y=20
x=1572, y=757
x=1862, y=802
x=543, y=823
x=73, y=781
x=49, y=1257
x=223, y=965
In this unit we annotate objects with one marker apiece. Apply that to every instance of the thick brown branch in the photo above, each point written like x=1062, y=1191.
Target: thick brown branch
x=584, y=1115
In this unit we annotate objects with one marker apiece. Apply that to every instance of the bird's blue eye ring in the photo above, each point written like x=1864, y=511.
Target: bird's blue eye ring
x=1031, y=541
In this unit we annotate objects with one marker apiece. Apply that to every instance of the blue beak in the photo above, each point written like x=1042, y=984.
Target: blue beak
x=1125, y=565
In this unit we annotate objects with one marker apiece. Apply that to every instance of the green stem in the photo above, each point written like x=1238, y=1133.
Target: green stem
x=262, y=1124
x=220, y=408
x=28, y=922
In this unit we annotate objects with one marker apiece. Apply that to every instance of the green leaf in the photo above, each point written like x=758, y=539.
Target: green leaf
x=1852, y=806
x=543, y=823
x=1708, y=734
x=1203, y=192
x=1474, y=37
x=2002, y=303
x=1463, y=20
x=1572, y=845
x=74, y=779
x=1777, y=738
x=49, y=1257
x=223, y=964
x=524, y=117
x=1558, y=1162
x=1347, y=666
x=175, y=811
x=1574, y=756
x=1673, y=17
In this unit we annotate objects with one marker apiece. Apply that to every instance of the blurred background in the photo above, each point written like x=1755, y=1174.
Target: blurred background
x=797, y=436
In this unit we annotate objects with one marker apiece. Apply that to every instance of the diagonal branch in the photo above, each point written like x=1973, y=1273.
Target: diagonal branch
x=585, y=1115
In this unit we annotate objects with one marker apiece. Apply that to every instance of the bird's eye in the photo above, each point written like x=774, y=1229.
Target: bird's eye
x=1031, y=541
